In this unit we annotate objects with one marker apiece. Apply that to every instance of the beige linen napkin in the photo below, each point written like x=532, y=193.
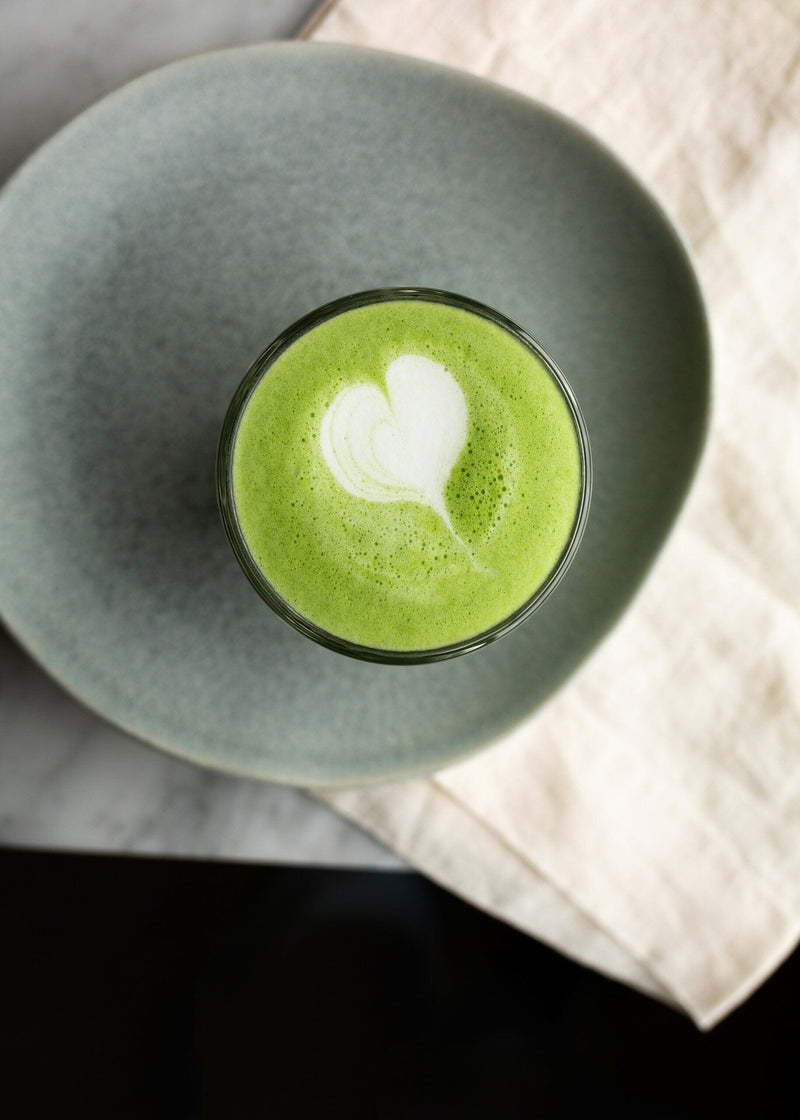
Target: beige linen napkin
x=647, y=821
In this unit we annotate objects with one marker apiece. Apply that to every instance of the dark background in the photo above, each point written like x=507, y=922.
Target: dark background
x=164, y=988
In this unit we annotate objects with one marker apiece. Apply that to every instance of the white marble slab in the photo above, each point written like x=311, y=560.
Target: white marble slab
x=68, y=779
x=58, y=56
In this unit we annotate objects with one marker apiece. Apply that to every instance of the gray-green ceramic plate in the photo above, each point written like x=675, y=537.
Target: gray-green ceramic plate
x=147, y=255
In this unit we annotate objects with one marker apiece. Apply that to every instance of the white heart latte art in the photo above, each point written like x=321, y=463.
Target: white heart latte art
x=401, y=446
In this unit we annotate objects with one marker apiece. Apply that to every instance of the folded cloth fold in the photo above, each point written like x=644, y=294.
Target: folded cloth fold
x=647, y=821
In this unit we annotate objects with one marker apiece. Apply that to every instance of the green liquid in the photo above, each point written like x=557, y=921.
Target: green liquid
x=392, y=575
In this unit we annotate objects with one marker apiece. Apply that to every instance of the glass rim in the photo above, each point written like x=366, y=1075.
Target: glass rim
x=227, y=505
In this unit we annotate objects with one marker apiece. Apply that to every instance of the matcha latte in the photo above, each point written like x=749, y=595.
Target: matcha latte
x=404, y=475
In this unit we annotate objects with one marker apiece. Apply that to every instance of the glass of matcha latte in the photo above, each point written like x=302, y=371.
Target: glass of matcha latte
x=404, y=475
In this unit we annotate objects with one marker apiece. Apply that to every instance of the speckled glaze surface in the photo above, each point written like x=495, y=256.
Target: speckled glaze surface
x=147, y=255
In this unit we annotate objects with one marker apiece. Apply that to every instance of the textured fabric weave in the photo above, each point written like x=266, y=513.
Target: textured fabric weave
x=647, y=821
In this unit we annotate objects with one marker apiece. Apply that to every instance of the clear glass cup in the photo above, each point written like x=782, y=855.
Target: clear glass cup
x=236, y=537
